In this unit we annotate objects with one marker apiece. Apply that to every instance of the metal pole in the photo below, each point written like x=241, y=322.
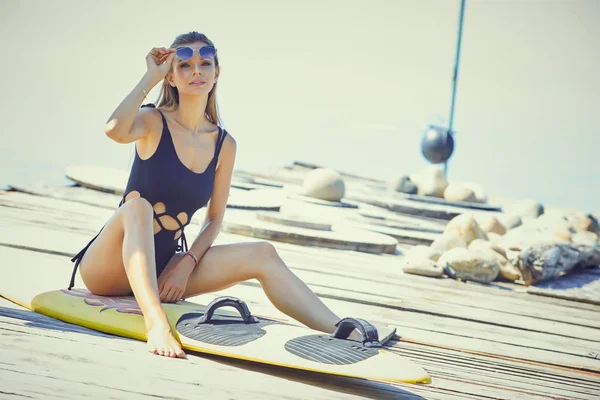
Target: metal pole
x=455, y=77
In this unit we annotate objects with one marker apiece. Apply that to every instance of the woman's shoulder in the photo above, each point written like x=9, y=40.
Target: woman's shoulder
x=152, y=117
x=229, y=143
x=227, y=137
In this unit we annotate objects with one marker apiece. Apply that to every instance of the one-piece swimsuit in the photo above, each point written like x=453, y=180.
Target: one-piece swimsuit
x=174, y=191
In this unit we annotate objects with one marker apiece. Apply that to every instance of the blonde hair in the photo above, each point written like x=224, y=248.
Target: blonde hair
x=169, y=95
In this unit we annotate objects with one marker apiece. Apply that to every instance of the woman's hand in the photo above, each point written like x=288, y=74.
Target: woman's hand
x=159, y=61
x=173, y=280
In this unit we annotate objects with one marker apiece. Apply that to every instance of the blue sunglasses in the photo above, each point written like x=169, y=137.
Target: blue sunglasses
x=185, y=53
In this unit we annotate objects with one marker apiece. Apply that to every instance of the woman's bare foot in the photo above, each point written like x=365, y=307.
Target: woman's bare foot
x=161, y=341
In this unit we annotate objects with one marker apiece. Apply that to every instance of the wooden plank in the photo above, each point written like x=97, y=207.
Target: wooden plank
x=77, y=194
x=268, y=200
x=580, y=285
x=444, y=202
x=240, y=222
x=431, y=330
x=456, y=378
x=438, y=211
x=348, y=266
x=417, y=326
x=43, y=357
x=449, y=386
x=334, y=294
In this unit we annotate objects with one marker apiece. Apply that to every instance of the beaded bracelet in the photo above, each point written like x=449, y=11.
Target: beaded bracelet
x=189, y=253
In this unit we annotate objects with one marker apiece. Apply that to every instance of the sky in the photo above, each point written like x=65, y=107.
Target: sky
x=350, y=85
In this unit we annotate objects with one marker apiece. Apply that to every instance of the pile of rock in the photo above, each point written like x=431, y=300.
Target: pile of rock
x=431, y=181
x=484, y=247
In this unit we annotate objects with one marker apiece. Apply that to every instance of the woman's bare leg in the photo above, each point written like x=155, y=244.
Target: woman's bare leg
x=121, y=260
x=224, y=266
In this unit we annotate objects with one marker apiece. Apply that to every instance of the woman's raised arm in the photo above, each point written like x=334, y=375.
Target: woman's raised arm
x=128, y=122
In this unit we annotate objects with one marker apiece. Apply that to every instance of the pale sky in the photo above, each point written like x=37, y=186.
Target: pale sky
x=346, y=84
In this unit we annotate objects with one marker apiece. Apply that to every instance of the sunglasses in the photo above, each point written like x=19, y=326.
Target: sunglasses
x=185, y=53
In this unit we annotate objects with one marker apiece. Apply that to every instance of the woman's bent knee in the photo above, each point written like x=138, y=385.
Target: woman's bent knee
x=137, y=209
x=266, y=250
x=267, y=259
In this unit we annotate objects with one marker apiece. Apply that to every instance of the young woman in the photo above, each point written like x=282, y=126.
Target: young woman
x=183, y=159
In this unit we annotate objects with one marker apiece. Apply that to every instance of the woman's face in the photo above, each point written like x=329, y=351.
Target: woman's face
x=195, y=75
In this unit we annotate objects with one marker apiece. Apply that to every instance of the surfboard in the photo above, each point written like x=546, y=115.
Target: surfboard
x=214, y=328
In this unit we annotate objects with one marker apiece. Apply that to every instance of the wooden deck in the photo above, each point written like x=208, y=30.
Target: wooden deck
x=477, y=341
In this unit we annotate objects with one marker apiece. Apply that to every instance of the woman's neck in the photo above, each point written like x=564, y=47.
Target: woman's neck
x=190, y=114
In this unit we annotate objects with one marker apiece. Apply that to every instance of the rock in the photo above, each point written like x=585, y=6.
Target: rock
x=458, y=192
x=489, y=223
x=556, y=224
x=430, y=181
x=543, y=262
x=507, y=270
x=471, y=266
x=324, y=184
x=482, y=245
x=480, y=196
x=422, y=266
x=566, y=236
x=510, y=221
x=447, y=242
x=522, y=237
x=584, y=223
x=586, y=237
x=493, y=237
x=403, y=185
x=422, y=252
x=524, y=208
x=466, y=227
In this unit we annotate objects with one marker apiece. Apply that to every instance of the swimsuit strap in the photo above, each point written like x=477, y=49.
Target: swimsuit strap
x=77, y=260
x=220, y=141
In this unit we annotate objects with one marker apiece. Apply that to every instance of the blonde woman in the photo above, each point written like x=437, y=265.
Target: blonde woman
x=183, y=159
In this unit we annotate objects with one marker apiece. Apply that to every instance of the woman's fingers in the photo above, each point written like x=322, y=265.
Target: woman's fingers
x=160, y=54
x=169, y=296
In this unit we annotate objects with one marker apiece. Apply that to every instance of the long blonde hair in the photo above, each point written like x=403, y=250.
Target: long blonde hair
x=169, y=95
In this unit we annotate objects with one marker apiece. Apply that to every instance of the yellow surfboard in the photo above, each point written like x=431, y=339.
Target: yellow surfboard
x=225, y=327
x=237, y=334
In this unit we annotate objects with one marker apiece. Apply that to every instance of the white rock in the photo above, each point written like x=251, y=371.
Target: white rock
x=472, y=266
x=458, y=192
x=422, y=266
x=556, y=224
x=422, y=252
x=524, y=208
x=510, y=221
x=522, y=237
x=507, y=270
x=489, y=223
x=324, y=184
x=480, y=196
x=585, y=237
x=430, y=181
x=493, y=237
x=446, y=242
x=466, y=227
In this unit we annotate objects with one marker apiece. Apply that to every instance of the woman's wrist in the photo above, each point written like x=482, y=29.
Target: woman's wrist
x=191, y=256
x=148, y=81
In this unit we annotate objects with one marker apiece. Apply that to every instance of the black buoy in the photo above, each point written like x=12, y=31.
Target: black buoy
x=437, y=144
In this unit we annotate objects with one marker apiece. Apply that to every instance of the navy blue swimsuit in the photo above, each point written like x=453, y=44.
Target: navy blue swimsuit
x=174, y=191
